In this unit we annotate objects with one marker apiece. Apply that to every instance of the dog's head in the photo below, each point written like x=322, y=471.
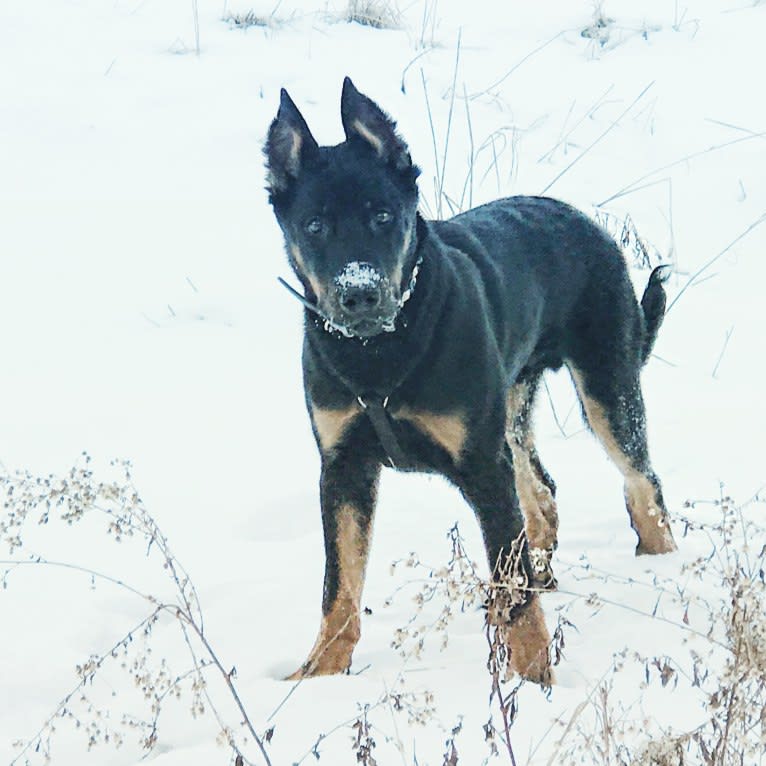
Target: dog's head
x=348, y=212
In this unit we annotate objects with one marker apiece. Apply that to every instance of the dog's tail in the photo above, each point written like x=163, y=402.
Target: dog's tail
x=653, y=307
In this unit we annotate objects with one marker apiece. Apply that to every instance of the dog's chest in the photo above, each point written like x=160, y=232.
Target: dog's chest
x=447, y=431
x=427, y=440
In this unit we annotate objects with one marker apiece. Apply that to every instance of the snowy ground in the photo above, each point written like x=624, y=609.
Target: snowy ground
x=141, y=318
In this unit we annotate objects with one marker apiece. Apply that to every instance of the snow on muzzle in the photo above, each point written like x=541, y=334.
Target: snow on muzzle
x=365, y=301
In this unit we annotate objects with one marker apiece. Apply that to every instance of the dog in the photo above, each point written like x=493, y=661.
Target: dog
x=424, y=344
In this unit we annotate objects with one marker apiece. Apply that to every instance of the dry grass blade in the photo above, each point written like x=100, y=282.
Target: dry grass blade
x=195, y=17
x=564, y=137
x=611, y=127
x=632, y=186
x=519, y=63
x=449, y=116
x=378, y=14
x=694, y=277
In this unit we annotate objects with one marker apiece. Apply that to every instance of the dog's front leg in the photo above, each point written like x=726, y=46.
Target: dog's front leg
x=348, y=490
x=488, y=485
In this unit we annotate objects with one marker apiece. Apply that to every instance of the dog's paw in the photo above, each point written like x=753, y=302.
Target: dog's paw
x=657, y=541
x=326, y=660
x=298, y=675
x=312, y=669
x=528, y=642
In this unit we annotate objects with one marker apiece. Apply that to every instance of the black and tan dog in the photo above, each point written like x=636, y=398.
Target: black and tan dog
x=424, y=346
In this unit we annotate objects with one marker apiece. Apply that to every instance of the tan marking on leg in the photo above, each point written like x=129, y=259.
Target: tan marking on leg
x=330, y=424
x=295, y=251
x=340, y=629
x=648, y=520
x=515, y=402
x=528, y=640
x=536, y=500
x=599, y=423
x=448, y=431
x=374, y=141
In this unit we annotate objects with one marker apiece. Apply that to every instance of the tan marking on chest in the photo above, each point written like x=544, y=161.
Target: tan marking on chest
x=330, y=424
x=448, y=431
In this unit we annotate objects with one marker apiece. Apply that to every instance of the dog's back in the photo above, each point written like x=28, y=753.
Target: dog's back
x=552, y=277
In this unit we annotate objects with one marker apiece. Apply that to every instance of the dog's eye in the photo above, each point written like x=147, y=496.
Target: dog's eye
x=315, y=225
x=382, y=217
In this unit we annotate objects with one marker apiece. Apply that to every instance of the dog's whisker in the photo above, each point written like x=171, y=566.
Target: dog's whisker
x=302, y=298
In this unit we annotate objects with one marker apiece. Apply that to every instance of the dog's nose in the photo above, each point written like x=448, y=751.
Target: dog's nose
x=360, y=289
x=360, y=300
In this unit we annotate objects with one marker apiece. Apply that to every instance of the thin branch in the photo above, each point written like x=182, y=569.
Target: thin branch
x=629, y=188
x=451, y=109
x=39, y=561
x=605, y=133
x=753, y=133
x=643, y=613
x=195, y=16
x=516, y=66
x=729, y=333
x=65, y=701
x=468, y=185
x=227, y=676
x=709, y=263
x=559, y=424
x=588, y=113
x=433, y=143
x=404, y=71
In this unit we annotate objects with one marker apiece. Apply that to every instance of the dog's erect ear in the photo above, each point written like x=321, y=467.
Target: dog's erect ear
x=363, y=118
x=288, y=146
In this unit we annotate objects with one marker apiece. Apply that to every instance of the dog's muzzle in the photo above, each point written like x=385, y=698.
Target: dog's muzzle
x=370, y=306
x=365, y=303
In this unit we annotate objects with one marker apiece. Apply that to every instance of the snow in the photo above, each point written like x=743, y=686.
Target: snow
x=142, y=319
x=356, y=274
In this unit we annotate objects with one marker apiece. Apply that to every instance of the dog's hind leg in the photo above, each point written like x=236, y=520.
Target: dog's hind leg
x=614, y=409
x=348, y=489
x=488, y=486
x=534, y=486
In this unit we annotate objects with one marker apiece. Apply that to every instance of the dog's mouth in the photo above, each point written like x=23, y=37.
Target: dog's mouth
x=365, y=328
x=362, y=303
